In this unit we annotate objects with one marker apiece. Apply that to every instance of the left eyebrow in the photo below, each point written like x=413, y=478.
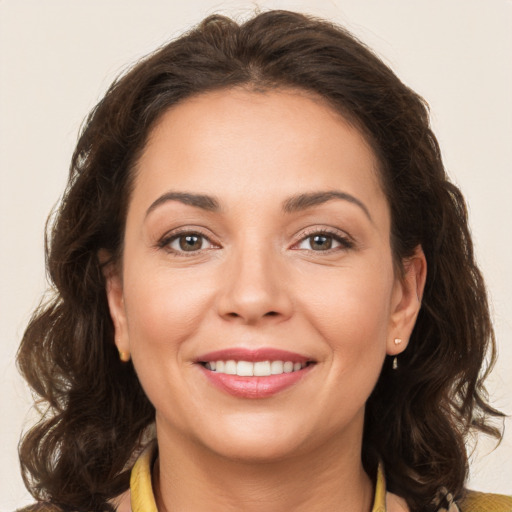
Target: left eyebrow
x=304, y=201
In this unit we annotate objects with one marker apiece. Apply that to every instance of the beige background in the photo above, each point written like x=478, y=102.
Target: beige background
x=58, y=56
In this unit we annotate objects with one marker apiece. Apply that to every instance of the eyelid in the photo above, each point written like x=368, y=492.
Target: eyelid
x=169, y=237
x=344, y=239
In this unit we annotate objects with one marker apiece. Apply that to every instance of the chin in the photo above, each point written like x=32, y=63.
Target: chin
x=258, y=451
x=253, y=439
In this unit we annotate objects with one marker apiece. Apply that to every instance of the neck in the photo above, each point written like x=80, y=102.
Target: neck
x=191, y=478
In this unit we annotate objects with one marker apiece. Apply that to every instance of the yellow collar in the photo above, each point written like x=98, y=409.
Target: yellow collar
x=143, y=499
x=141, y=488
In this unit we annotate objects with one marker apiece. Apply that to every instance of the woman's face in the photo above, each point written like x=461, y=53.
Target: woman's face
x=257, y=236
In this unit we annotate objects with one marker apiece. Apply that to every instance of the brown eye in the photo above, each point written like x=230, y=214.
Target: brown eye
x=190, y=242
x=324, y=241
x=320, y=242
x=186, y=242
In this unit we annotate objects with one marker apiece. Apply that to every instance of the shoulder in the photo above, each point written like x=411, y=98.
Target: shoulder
x=485, y=502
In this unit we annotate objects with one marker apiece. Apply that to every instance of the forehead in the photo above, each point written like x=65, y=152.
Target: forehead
x=278, y=142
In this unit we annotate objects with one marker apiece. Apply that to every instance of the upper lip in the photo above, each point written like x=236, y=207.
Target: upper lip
x=253, y=355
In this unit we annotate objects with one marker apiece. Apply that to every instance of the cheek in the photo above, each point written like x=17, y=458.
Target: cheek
x=350, y=309
x=164, y=311
x=163, y=308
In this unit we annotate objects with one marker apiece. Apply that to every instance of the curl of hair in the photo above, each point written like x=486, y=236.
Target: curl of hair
x=96, y=415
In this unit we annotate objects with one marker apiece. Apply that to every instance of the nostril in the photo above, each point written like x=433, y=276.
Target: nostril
x=271, y=313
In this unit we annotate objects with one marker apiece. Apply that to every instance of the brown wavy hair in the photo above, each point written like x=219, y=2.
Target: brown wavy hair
x=95, y=414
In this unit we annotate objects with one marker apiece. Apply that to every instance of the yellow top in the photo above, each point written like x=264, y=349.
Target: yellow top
x=143, y=499
x=486, y=502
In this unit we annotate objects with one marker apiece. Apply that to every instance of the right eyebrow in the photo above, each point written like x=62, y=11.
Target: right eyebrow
x=202, y=201
x=310, y=199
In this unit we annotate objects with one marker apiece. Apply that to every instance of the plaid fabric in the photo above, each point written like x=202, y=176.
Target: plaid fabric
x=445, y=502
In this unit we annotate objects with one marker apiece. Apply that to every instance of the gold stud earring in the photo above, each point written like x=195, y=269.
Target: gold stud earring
x=124, y=356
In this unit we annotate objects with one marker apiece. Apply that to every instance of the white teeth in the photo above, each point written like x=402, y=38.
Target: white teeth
x=276, y=367
x=230, y=367
x=244, y=369
x=257, y=369
x=262, y=369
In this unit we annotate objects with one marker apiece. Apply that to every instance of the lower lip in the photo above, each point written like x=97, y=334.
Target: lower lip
x=255, y=387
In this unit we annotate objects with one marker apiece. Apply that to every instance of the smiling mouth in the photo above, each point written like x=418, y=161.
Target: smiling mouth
x=255, y=369
x=254, y=373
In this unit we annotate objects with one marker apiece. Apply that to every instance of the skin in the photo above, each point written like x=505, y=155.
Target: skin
x=257, y=281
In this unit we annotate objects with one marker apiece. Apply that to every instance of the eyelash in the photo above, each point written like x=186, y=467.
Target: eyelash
x=345, y=242
x=166, y=240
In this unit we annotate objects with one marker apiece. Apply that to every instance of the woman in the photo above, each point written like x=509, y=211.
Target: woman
x=266, y=295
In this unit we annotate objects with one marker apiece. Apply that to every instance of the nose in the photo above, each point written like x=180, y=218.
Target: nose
x=254, y=289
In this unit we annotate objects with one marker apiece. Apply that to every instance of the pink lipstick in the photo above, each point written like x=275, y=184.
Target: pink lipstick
x=256, y=373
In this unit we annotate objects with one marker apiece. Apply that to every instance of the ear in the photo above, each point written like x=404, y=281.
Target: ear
x=406, y=303
x=115, y=297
